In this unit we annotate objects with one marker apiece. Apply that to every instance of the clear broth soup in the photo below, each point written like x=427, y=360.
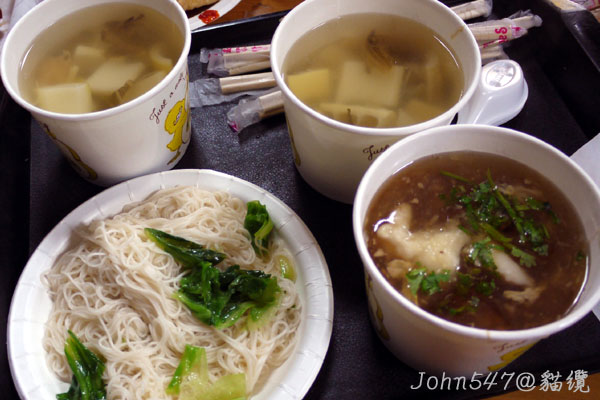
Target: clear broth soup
x=374, y=70
x=99, y=57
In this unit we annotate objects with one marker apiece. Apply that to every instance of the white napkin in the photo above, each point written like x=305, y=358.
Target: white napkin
x=588, y=158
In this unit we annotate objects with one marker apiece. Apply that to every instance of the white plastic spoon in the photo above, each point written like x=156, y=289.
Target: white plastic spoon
x=501, y=95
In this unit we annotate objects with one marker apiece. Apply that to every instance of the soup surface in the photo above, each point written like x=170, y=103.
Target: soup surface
x=374, y=70
x=480, y=240
x=99, y=57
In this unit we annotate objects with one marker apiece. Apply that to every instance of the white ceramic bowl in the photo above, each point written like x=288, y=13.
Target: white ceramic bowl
x=429, y=343
x=31, y=304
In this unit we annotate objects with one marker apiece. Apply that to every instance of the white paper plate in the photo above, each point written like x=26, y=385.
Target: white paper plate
x=31, y=305
x=221, y=7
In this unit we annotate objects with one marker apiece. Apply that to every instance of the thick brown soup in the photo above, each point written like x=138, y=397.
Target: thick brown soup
x=480, y=240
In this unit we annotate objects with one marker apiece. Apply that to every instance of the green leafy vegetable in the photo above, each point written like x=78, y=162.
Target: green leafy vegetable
x=188, y=253
x=215, y=297
x=193, y=357
x=190, y=380
x=287, y=268
x=258, y=223
x=429, y=283
x=87, y=370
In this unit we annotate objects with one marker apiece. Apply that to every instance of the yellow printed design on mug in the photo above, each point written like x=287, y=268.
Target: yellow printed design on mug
x=177, y=124
x=509, y=357
x=74, y=159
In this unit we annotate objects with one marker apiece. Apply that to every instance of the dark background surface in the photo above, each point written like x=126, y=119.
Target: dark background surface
x=560, y=61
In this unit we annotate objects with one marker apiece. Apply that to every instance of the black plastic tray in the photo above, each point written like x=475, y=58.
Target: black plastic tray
x=560, y=63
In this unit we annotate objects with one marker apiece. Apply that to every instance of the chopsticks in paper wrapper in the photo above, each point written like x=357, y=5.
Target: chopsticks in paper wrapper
x=473, y=9
x=210, y=91
x=491, y=34
x=236, y=60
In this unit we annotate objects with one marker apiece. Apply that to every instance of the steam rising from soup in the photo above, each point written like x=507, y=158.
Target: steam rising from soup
x=480, y=240
x=99, y=57
x=374, y=70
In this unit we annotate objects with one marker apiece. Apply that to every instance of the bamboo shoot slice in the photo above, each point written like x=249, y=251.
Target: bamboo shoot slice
x=143, y=85
x=67, y=98
x=160, y=61
x=313, y=85
x=359, y=85
x=87, y=58
x=113, y=74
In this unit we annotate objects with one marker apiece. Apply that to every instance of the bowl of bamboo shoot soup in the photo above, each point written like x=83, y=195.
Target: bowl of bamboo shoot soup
x=357, y=76
x=107, y=81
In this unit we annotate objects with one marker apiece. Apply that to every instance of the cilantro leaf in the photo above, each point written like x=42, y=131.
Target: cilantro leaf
x=456, y=177
x=429, y=283
x=464, y=282
x=415, y=277
x=525, y=258
x=481, y=252
x=486, y=288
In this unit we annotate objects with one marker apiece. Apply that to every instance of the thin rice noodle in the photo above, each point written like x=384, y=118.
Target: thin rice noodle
x=114, y=289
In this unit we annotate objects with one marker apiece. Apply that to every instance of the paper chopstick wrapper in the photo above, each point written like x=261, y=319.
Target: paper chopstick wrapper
x=473, y=9
x=504, y=29
x=239, y=83
x=210, y=91
x=491, y=34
